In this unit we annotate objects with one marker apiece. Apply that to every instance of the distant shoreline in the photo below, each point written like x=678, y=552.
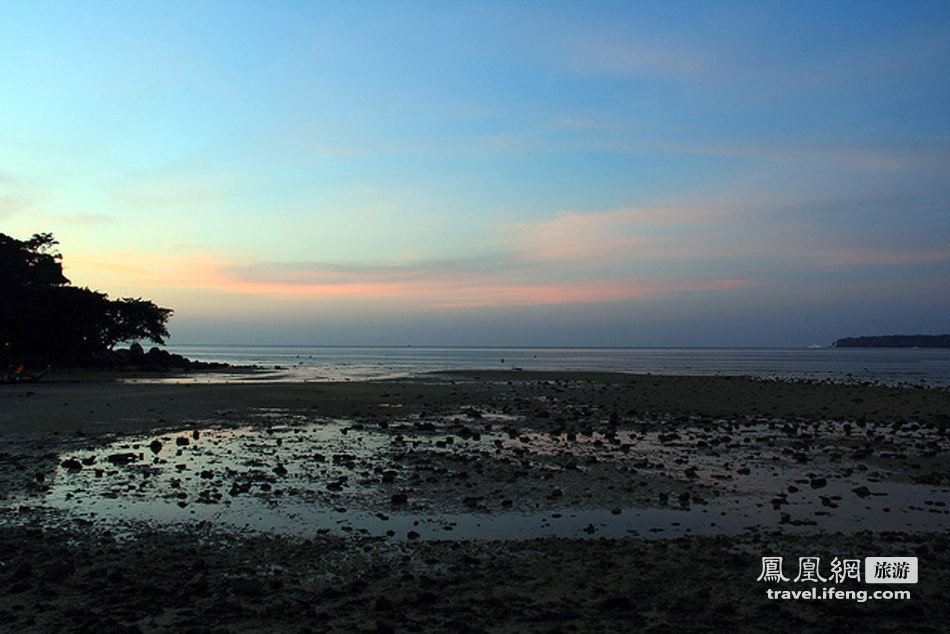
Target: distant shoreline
x=894, y=341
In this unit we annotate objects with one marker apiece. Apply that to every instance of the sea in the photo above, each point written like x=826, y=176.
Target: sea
x=923, y=366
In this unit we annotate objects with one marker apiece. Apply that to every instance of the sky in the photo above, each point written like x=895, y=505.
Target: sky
x=489, y=173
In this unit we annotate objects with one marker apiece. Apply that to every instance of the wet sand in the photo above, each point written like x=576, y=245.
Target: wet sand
x=688, y=482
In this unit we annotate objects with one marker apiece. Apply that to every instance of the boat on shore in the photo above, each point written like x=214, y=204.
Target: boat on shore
x=19, y=376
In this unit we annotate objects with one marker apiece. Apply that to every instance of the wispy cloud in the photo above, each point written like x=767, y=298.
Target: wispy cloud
x=80, y=219
x=9, y=206
x=792, y=233
x=627, y=233
x=609, y=52
x=429, y=286
x=863, y=156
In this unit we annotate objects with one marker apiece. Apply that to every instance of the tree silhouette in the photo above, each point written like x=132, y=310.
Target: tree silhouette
x=46, y=319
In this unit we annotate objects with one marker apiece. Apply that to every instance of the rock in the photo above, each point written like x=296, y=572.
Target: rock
x=58, y=570
x=155, y=446
x=384, y=626
x=616, y=603
x=120, y=459
x=412, y=535
x=71, y=465
x=861, y=491
x=399, y=498
x=182, y=441
x=280, y=470
x=818, y=483
x=22, y=571
x=247, y=587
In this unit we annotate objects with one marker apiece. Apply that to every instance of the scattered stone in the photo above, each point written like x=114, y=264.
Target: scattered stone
x=246, y=587
x=120, y=459
x=616, y=603
x=58, y=570
x=72, y=465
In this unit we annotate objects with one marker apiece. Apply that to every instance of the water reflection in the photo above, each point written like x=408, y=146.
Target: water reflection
x=484, y=478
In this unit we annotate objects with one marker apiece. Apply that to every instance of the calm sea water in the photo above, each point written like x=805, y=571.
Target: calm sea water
x=891, y=365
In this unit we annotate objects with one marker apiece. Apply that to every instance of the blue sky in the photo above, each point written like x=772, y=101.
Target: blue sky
x=582, y=173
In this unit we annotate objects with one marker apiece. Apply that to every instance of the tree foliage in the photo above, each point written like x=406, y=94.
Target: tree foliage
x=42, y=316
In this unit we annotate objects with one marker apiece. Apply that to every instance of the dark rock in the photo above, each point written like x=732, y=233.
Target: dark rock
x=155, y=446
x=247, y=587
x=861, y=491
x=22, y=571
x=58, y=570
x=616, y=603
x=818, y=483
x=120, y=459
x=399, y=498
x=384, y=626
x=71, y=465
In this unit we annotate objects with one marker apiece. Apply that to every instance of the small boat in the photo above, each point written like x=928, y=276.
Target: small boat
x=19, y=376
x=814, y=346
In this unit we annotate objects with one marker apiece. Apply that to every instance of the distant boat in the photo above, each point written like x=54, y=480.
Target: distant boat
x=814, y=346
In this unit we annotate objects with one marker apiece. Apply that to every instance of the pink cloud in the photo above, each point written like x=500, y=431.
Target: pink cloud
x=433, y=287
x=636, y=233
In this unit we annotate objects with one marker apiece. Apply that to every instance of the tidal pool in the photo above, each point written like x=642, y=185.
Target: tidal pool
x=478, y=476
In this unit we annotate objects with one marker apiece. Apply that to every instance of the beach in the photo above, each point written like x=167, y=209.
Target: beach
x=465, y=501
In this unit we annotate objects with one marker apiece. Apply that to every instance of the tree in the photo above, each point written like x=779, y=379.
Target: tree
x=42, y=316
x=30, y=262
x=136, y=318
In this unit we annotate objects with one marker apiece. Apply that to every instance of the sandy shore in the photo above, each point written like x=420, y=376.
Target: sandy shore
x=746, y=468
